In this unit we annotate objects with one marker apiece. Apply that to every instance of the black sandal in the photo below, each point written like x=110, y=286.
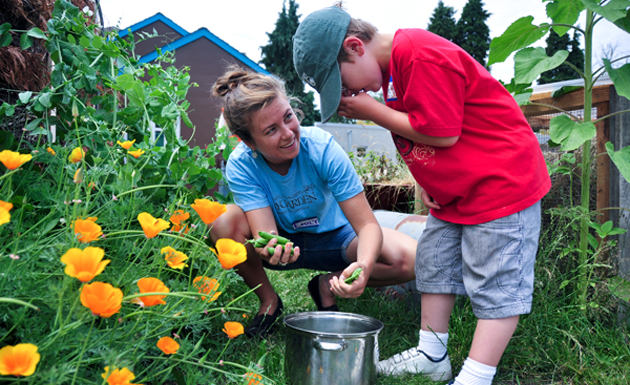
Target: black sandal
x=313, y=289
x=263, y=324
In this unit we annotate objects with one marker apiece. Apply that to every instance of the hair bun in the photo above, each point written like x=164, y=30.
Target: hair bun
x=230, y=80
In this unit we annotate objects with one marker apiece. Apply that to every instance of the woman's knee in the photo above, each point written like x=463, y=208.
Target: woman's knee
x=399, y=250
x=231, y=224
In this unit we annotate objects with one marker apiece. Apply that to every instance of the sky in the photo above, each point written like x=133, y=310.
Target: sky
x=244, y=24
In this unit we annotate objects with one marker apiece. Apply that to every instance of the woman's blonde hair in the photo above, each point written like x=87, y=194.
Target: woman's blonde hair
x=359, y=28
x=244, y=93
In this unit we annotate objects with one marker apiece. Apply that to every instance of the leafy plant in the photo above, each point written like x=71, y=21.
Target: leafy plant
x=374, y=168
x=567, y=130
x=102, y=188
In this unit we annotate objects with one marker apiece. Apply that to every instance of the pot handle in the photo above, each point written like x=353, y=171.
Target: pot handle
x=330, y=346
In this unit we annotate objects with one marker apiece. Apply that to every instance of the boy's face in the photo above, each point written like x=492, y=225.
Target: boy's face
x=361, y=73
x=276, y=133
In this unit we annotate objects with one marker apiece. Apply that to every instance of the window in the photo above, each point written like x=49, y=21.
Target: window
x=157, y=134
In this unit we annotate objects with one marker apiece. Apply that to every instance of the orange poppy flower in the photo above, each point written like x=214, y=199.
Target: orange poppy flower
x=168, y=345
x=174, y=258
x=5, y=217
x=51, y=151
x=179, y=228
x=126, y=144
x=208, y=210
x=152, y=285
x=5, y=207
x=86, y=264
x=208, y=286
x=18, y=360
x=253, y=378
x=136, y=153
x=179, y=216
x=86, y=230
x=230, y=252
x=233, y=329
x=76, y=155
x=122, y=376
x=101, y=298
x=150, y=225
x=12, y=160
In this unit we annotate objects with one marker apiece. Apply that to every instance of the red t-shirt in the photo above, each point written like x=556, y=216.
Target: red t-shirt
x=496, y=168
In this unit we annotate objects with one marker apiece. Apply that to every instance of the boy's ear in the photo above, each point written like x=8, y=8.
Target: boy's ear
x=353, y=46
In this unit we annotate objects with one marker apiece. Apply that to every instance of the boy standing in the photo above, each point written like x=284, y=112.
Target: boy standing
x=467, y=143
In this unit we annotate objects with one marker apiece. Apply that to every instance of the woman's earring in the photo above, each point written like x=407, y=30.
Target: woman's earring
x=254, y=154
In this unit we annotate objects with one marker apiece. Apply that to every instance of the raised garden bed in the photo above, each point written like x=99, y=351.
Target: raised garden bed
x=391, y=197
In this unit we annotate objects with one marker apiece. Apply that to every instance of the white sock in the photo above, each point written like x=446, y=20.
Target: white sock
x=475, y=373
x=433, y=344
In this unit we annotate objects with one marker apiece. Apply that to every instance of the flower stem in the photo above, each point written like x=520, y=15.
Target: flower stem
x=223, y=351
x=87, y=339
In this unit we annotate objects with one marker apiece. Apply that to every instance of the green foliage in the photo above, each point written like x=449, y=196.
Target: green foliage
x=442, y=21
x=473, y=34
x=277, y=57
x=98, y=97
x=556, y=43
x=375, y=168
x=530, y=61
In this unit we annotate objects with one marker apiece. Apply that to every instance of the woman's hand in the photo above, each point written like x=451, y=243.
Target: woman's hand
x=281, y=255
x=428, y=201
x=356, y=288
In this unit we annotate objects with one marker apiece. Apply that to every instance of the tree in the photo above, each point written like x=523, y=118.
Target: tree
x=557, y=43
x=473, y=34
x=442, y=22
x=277, y=57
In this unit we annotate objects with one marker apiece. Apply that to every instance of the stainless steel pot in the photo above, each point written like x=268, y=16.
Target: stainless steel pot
x=331, y=348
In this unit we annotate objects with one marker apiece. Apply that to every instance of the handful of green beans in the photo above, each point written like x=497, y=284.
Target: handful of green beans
x=264, y=239
x=355, y=274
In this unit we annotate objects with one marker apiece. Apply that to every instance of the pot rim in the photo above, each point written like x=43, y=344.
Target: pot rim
x=378, y=325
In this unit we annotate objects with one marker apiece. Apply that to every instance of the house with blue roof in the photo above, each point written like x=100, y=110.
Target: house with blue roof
x=205, y=54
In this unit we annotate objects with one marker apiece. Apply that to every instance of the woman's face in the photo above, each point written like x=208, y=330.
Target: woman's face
x=276, y=134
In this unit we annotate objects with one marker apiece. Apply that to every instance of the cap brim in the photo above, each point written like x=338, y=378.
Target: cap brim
x=330, y=94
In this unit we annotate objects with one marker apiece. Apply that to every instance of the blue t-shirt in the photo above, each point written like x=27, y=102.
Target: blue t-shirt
x=306, y=198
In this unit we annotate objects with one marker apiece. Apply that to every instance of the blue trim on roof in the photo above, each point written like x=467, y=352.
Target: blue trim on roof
x=157, y=17
x=201, y=33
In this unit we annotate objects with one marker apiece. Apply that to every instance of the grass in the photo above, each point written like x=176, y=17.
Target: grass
x=556, y=344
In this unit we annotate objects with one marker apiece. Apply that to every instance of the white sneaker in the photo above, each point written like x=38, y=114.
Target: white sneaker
x=416, y=361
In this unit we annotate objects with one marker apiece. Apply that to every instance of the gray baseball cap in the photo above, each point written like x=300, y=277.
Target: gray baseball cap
x=316, y=45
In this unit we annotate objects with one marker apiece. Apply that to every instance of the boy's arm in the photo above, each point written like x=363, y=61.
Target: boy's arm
x=363, y=106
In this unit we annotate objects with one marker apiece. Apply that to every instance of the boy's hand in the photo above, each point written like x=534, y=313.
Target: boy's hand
x=428, y=201
x=360, y=106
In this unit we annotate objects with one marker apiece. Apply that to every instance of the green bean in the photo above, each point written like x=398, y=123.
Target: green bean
x=272, y=250
x=354, y=276
x=268, y=237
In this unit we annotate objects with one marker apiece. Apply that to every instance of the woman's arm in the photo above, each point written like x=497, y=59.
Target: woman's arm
x=370, y=242
x=263, y=220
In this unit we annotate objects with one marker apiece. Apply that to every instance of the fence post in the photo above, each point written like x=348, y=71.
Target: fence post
x=620, y=189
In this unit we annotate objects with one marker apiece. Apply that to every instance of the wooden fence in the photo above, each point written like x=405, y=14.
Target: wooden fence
x=612, y=190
